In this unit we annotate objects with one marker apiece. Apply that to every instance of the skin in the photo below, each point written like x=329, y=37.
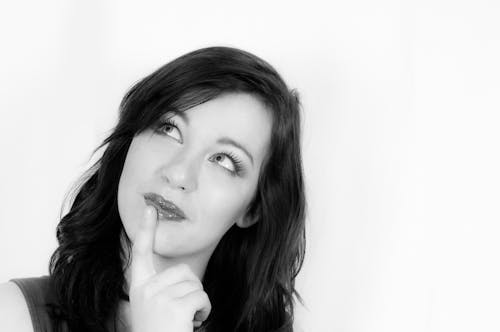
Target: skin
x=187, y=166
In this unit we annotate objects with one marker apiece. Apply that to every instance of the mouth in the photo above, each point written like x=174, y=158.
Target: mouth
x=166, y=209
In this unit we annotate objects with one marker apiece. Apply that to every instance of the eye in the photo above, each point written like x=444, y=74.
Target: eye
x=229, y=161
x=170, y=128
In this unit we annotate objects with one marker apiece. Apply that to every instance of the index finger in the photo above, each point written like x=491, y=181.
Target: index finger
x=142, y=267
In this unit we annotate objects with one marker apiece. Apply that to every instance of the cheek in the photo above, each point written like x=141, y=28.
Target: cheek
x=221, y=204
x=130, y=173
x=139, y=164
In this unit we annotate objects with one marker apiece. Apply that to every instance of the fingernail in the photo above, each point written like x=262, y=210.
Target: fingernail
x=150, y=212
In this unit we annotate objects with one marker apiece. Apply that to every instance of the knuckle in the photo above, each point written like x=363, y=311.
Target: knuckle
x=195, y=284
x=200, y=296
x=205, y=297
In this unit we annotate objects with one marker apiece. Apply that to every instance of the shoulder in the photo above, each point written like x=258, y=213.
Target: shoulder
x=14, y=311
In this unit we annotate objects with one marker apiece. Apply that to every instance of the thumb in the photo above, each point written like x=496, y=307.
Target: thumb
x=142, y=267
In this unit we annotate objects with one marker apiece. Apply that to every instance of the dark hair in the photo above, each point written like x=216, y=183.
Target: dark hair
x=250, y=277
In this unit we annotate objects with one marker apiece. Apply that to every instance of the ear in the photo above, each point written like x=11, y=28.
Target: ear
x=246, y=221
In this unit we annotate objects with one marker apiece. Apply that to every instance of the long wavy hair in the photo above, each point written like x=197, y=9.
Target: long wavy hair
x=250, y=277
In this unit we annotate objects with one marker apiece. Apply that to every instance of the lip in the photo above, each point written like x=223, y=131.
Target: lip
x=166, y=209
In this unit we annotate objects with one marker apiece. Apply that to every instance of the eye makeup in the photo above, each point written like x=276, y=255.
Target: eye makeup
x=238, y=164
x=166, y=126
x=168, y=123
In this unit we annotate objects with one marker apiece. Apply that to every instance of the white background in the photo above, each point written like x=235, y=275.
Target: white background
x=401, y=138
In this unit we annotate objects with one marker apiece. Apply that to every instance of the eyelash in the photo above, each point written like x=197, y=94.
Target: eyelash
x=234, y=159
x=236, y=162
x=167, y=122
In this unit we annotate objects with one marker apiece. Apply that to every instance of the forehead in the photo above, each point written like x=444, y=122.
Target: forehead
x=239, y=116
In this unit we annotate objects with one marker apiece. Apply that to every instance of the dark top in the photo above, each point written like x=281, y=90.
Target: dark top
x=38, y=292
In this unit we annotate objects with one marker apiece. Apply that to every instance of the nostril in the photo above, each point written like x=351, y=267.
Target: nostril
x=179, y=176
x=166, y=179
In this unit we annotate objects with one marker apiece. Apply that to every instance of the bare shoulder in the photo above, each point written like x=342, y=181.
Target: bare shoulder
x=14, y=312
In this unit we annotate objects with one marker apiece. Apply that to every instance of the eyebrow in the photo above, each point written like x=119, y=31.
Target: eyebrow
x=182, y=115
x=230, y=141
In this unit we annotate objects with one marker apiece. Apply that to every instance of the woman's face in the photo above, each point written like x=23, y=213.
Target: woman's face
x=206, y=162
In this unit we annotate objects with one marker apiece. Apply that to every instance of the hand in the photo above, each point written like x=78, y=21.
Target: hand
x=172, y=300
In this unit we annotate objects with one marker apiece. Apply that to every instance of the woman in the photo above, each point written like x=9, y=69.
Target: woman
x=192, y=218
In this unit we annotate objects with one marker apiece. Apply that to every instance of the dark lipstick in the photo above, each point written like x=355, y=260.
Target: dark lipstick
x=166, y=209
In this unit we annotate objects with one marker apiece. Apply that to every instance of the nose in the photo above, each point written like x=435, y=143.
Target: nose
x=180, y=173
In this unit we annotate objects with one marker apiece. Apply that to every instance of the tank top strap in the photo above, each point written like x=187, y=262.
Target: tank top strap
x=38, y=292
